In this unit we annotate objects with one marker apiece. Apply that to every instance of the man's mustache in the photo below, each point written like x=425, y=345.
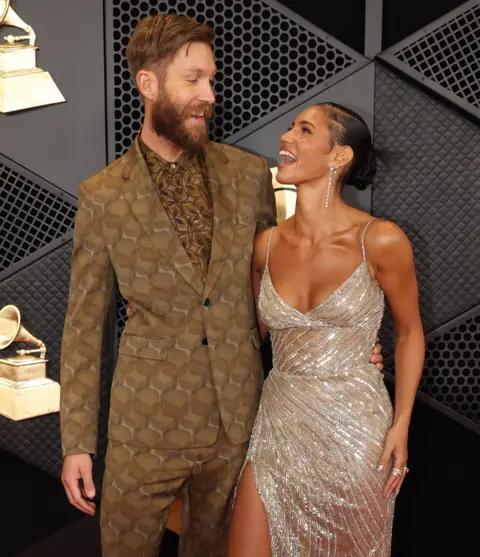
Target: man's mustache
x=206, y=110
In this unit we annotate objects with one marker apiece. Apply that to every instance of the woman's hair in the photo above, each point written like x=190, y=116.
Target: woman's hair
x=348, y=128
x=156, y=39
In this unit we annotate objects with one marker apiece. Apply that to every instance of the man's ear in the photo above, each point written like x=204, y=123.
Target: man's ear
x=147, y=83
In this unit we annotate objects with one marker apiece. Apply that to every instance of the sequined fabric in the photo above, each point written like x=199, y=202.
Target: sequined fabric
x=322, y=423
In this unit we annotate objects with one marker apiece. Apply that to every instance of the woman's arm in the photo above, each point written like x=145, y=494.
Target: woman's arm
x=391, y=255
x=258, y=265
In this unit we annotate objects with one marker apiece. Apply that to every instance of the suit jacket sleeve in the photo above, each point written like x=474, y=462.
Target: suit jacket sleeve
x=267, y=216
x=91, y=282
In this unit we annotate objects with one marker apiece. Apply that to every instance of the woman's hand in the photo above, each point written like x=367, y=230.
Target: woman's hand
x=376, y=357
x=396, y=448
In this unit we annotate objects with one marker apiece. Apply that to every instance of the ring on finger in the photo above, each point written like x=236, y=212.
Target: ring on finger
x=397, y=472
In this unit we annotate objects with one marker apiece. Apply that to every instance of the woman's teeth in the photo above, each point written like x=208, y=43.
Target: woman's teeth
x=288, y=157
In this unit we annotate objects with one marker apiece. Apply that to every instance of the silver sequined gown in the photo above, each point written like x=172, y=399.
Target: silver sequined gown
x=322, y=423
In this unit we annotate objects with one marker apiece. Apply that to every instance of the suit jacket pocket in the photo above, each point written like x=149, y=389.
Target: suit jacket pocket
x=151, y=348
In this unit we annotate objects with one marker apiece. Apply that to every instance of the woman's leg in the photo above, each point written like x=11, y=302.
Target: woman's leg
x=249, y=531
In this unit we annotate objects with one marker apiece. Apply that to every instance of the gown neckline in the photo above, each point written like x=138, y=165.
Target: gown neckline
x=267, y=275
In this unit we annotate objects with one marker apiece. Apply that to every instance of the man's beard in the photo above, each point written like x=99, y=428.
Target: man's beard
x=168, y=121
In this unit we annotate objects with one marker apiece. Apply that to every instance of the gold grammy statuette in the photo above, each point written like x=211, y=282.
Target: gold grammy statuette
x=22, y=84
x=25, y=390
x=285, y=197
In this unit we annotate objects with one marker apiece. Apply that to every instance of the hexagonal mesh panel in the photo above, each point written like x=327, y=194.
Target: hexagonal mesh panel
x=449, y=55
x=122, y=306
x=452, y=369
x=30, y=216
x=264, y=60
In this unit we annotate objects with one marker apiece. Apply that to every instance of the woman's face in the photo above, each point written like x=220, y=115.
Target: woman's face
x=306, y=148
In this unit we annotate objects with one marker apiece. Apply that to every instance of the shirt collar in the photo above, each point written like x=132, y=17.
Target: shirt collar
x=154, y=159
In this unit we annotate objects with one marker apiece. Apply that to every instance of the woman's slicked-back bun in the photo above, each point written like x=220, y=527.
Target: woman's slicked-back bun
x=348, y=128
x=362, y=173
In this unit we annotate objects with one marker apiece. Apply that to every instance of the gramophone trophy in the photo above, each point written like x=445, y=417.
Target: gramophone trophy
x=22, y=84
x=25, y=390
x=285, y=197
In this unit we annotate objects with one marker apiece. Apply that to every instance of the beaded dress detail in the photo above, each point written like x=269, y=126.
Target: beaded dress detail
x=322, y=423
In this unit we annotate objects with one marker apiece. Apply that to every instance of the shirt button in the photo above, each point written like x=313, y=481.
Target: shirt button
x=172, y=165
x=205, y=341
x=196, y=222
x=206, y=303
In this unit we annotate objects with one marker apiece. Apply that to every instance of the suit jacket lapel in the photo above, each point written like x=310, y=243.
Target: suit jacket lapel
x=140, y=192
x=223, y=187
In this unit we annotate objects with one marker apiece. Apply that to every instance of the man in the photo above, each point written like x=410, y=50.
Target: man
x=174, y=220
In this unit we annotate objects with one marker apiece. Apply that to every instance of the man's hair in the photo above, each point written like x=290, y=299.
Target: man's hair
x=156, y=39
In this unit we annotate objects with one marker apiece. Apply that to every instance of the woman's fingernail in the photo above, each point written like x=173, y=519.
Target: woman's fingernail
x=380, y=468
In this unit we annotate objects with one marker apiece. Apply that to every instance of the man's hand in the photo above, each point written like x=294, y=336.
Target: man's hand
x=376, y=357
x=79, y=467
x=131, y=309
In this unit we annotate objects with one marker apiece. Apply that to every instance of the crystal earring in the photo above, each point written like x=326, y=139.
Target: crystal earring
x=333, y=171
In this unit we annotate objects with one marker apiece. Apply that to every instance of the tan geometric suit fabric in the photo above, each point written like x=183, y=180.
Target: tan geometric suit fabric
x=188, y=377
x=140, y=485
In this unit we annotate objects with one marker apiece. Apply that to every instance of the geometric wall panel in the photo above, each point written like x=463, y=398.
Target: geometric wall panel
x=40, y=291
x=63, y=143
x=429, y=187
x=452, y=369
x=445, y=56
x=264, y=58
x=31, y=216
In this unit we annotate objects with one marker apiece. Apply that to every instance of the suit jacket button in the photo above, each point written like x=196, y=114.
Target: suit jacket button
x=205, y=341
x=206, y=303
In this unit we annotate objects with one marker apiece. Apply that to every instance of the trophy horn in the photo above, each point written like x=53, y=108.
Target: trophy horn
x=4, y=7
x=11, y=330
x=10, y=18
x=10, y=322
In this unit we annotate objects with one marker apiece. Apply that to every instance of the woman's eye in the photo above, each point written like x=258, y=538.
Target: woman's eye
x=305, y=130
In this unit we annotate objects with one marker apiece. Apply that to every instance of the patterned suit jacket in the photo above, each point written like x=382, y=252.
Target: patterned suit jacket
x=189, y=357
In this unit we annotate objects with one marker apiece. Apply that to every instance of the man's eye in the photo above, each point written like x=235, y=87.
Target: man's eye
x=305, y=130
x=192, y=80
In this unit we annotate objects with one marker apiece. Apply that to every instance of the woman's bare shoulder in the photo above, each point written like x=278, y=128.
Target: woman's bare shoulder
x=386, y=240
x=387, y=234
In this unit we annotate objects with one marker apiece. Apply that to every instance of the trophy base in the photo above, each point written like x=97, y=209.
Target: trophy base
x=22, y=368
x=23, y=89
x=28, y=399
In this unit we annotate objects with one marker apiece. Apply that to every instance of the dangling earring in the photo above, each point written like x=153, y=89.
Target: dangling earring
x=333, y=171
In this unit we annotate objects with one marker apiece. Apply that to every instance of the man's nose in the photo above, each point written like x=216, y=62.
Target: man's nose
x=208, y=94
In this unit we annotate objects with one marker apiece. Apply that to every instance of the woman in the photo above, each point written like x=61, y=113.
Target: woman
x=328, y=452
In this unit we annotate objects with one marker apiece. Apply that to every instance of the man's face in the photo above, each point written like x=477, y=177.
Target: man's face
x=185, y=99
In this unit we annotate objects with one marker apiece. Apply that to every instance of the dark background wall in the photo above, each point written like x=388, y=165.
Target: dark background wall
x=63, y=143
x=422, y=103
